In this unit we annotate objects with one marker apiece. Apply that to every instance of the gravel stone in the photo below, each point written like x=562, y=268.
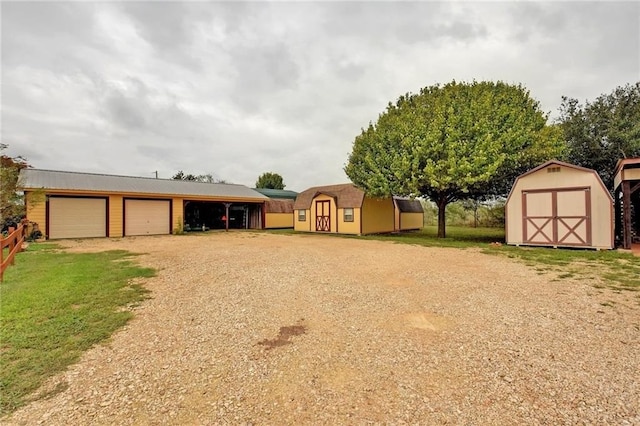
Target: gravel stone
x=253, y=328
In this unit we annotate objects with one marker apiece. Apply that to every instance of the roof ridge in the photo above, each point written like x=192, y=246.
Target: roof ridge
x=334, y=184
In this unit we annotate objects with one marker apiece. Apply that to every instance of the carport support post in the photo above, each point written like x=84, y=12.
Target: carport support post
x=226, y=222
x=618, y=216
x=626, y=214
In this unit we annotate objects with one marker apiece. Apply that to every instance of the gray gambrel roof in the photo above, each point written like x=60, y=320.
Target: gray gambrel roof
x=90, y=182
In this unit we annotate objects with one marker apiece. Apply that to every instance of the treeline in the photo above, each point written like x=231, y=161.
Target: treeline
x=467, y=213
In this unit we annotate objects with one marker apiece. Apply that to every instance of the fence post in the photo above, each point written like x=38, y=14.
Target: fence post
x=13, y=242
x=1, y=258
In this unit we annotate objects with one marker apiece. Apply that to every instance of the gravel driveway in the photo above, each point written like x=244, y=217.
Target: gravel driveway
x=252, y=328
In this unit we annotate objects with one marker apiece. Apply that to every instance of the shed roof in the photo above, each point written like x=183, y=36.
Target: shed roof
x=624, y=164
x=279, y=206
x=281, y=194
x=559, y=163
x=407, y=205
x=346, y=195
x=91, y=182
x=627, y=163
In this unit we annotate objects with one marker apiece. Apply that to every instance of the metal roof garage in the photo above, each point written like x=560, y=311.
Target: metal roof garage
x=559, y=205
x=81, y=205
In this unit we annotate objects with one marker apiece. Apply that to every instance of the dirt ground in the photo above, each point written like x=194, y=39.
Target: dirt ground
x=256, y=328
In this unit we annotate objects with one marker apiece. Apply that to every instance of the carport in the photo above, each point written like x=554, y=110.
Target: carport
x=627, y=200
x=204, y=215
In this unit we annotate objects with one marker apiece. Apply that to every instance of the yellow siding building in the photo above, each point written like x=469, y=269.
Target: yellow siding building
x=409, y=214
x=343, y=209
x=83, y=205
x=278, y=214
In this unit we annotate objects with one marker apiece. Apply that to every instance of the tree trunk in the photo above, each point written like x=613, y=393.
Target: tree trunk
x=442, y=224
x=475, y=214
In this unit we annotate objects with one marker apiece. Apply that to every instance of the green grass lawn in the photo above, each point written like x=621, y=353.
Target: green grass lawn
x=618, y=270
x=55, y=305
x=457, y=236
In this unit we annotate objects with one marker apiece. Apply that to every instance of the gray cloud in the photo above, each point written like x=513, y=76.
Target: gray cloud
x=236, y=89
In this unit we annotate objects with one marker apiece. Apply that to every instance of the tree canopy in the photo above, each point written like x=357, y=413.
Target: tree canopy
x=601, y=132
x=270, y=180
x=11, y=201
x=197, y=178
x=453, y=142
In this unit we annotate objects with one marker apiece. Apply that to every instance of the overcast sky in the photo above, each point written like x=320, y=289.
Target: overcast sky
x=237, y=89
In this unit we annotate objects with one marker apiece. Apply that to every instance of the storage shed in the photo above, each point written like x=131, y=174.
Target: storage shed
x=559, y=205
x=409, y=214
x=278, y=214
x=279, y=208
x=80, y=205
x=626, y=182
x=343, y=209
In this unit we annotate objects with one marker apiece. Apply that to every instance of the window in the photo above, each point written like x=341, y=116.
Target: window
x=348, y=214
x=553, y=170
x=302, y=215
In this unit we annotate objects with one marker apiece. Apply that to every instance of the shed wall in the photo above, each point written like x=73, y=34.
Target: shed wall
x=278, y=220
x=116, y=219
x=302, y=226
x=349, y=227
x=333, y=220
x=333, y=212
x=631, y=174
x=36, y=210
x=409, y=221
x=378, y=215
x=177, y=208
x=601, y=205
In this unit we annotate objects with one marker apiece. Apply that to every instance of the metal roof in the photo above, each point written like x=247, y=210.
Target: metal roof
x=91, y=182
x=277, y=193
x=407, y=205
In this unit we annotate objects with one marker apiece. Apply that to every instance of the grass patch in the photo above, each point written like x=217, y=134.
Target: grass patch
x=457, y=236
x=620, y=271
x=54, y=306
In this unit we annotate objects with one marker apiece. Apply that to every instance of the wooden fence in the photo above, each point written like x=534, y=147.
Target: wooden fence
x=14, y=242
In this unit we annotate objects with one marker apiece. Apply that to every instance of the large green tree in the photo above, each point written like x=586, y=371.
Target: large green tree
x=453, y=142
x=11, y=200
x=270, y=180
x=601, y=132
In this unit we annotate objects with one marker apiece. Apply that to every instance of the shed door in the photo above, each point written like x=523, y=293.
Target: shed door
x=147, y=217
x=323, y=216
x=557, y=217
x=77, y=217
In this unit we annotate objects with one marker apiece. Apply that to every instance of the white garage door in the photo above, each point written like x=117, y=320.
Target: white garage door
x=77, y=217
x=147, y=217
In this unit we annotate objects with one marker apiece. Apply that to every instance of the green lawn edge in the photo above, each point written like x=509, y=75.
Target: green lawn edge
x=55, y=305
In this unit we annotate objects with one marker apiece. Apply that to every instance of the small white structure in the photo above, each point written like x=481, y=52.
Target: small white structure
x=559, y=205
